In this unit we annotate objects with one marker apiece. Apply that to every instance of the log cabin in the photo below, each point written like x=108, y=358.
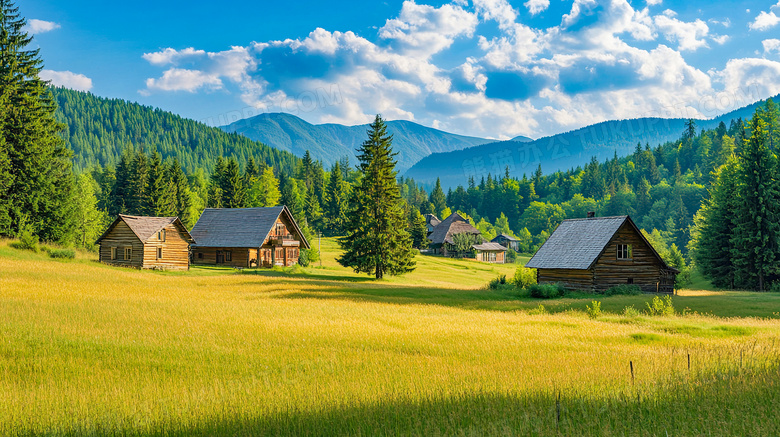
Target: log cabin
x=441, y=237
x=507, y=241
x=247, y=237
x=490, y=252
x=146, y=243
x=597, y=253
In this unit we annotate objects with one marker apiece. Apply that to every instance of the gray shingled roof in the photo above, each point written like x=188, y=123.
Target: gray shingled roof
x=145, y=227
x=431, y=219
x=454, y=224
x=489, y=246
x=507, y=237
x=239, y=227
x=576, y=243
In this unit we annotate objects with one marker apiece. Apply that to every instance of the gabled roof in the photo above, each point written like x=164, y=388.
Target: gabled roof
x=577, y=243
x=146, y=227
x=490, y=246
x=504, y=236
x=432, y=220
x=240, y=227
x=454, y=224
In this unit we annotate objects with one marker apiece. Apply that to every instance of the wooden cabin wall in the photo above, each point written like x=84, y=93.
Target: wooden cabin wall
x=573, y=279
x=122, y=236
x=239, y=256
x=644, y=268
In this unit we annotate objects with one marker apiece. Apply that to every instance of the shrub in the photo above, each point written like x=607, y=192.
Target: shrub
x=511, y=256
x=27, y=241
x=307, y=256
x=661, y=307
x=62, y=253
x=538, y=310
x=546, y=291
x=623, y=289
x=415, y=252
x=630, y=311
x=594, y=311
x=496, y=283
x=524, y=277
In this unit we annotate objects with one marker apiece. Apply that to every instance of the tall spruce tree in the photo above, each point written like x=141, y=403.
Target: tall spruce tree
x=755, y=251
x=336, y=201
x=438, y=200
x=376, y=239
x=161, y=201
x=39, y=192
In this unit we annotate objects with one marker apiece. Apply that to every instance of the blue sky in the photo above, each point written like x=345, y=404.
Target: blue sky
x=489, y=68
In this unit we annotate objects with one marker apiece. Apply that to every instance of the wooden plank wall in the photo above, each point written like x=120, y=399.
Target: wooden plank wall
x=570, y=278
x=175, y=251
x=239, y=256
x=122, y=236
x=644, y=268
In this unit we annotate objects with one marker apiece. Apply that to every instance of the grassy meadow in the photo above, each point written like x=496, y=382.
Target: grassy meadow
x=88, y=349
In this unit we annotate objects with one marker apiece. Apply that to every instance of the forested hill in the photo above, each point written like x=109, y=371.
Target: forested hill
x=97, y=129
x=558, y=152
x=331, y=142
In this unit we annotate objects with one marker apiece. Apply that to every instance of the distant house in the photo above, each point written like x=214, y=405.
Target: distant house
x=247, y=237
x=441, y=238
x=599, y=253
x=490, y=252
x=146, y=242
x=431, y=221
x=507, y=241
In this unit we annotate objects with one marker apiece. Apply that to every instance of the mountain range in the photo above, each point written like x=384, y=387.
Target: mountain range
x=558, y=152
x=330, y=142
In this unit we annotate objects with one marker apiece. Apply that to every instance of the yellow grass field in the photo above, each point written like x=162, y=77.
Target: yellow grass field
x=88, y=349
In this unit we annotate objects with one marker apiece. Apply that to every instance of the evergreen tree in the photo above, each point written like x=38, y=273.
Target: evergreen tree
x=89, y=221
x=418, y=229
x=755, y=240
x=376, y=238
x=161, y=201
x=264, y=190
x=215, y=193
x=182, y=194
x=233, y=186
x=336, y=202
x=39, y=191
x=137, y=195
x=438, y=200
x=290, y=195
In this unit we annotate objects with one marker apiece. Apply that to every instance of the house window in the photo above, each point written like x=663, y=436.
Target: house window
x=491, y=256
x=228, y=256
x=159, y=253
x=113, y=253
x=279, y=254
x=630, y=281
x=624, y=251
x=128, y=253
x=161, y=235
x=200, y=255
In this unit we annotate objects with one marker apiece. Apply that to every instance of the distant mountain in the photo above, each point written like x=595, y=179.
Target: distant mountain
x=558, y=152
x=97, y=129
x=521, y=139
x=330, y=142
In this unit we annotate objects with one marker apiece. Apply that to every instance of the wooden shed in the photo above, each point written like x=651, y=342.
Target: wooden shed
x=146, y=242
x=507, y=241
x=490, y=252
x=598, y=253
x=247, y=237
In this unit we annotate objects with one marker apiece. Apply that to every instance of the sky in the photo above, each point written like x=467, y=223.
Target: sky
x=485, y=68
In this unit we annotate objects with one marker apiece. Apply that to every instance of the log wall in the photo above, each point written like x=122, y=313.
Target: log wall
x=120, y=237
x=175, y=251
x=569, y=278
x=643, y=269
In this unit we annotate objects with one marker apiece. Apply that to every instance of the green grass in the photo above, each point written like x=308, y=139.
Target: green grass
x=89, y=349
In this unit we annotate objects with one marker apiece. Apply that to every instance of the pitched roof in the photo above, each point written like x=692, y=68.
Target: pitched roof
x=454, y=224
x=505, y=236
x=577, y=243
x=240, y=227
x=489, y=246
x=432, y=220
x=145, y=227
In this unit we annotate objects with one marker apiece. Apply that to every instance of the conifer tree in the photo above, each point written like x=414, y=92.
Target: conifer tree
x=215, y=193
x=233, y=186
x=336, y=201
x=182, y=194
x=89, y=220
x=418, y=229
x=161, y=201
x=39, y=192
x=136, y=199
x=755, y=240
x=438, y=200
x=264, y=190
x=376, y=239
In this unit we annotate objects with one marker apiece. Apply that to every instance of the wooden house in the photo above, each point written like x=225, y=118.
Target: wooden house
x=598, y=253
x=431, y=221
x=441, y=238
x=490, y=252
x=146, y=242
x=507, y=241
x=247, y=237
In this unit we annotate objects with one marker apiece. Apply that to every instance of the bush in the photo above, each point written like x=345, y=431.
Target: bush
x=496, y=283
x=62, y=253
x=524, y=277
x=308, y=256
x=661, y=307
x=594, y=311
x=630, y=311
x=546, y=291
x=27, y=241
x=623, y=289
x=511, y=256
x=538, y=310
x=415, y=252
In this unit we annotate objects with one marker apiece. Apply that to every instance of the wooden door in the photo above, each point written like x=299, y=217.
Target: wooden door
x=220, y=257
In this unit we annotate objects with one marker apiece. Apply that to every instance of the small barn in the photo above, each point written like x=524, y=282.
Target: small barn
x=598, y=253
x=490, y=252
x=247, y=237
x=146, y=242
x=507, y=241
x=441, y=238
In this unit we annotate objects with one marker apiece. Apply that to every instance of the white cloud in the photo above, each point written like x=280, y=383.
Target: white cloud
x=537, y=6
x=721, y=39
x=67, y=79
x=35, y=26
x=171, y=56
x=766, y=20
x=688, y=35
x=654, y=2
x=760, y=74
x=177, y=79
